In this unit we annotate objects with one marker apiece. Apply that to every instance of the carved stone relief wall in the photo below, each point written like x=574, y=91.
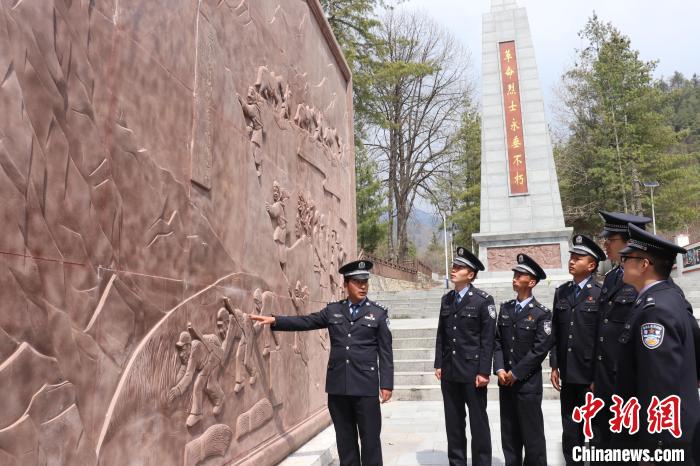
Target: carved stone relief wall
x=167, y=169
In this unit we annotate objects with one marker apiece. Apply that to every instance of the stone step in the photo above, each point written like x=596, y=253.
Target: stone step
x=418, y=342
x=414, y=353
x=399, y=333
x=424, y=378
x=414, y=378
x=414, y=314
x=413, y=365
x=433, y=392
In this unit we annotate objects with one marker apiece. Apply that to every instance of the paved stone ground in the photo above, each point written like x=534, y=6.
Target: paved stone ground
x=413, y=433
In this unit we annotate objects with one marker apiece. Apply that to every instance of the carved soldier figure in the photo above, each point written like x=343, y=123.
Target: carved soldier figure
x=319, y=233
x=333, y=255
x=286, y=98
x=268, y=334
x=299, y=296
x=279, y=219
x=206, y=356
x=184, y=347
x=251, y=111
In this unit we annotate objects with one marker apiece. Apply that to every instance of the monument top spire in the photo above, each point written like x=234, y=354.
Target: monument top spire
x=497, y=5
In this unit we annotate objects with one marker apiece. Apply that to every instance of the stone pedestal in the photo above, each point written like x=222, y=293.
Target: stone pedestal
x=520, y=203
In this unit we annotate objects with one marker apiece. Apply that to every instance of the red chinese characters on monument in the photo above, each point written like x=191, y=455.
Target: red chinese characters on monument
x=517, y=174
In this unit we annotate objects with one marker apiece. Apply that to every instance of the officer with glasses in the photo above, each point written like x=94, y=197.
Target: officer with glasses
x=658, y=351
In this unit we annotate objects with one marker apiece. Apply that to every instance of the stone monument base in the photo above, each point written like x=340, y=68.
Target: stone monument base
x=498, y=251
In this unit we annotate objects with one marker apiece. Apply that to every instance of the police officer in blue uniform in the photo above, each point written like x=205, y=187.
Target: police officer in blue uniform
x=523, y=339
x=463, y=357
x=659, y=347
x=360, y=366
x=616, y=301
x=574, y=326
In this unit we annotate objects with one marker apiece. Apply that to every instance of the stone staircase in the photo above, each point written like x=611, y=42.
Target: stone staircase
x=414, y=326
x=414, y=354
x=419, y=304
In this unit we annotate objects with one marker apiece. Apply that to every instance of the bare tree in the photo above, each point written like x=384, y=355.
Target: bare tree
x=419, y=97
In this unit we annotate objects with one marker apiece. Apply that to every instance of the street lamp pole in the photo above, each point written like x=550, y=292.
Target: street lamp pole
x=651, y=185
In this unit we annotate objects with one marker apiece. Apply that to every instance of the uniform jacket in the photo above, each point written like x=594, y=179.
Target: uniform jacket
x=616, y=303
x=660, y=353
x=357, y=345
x=522, y=343
x=465, y=336
x=574, y=326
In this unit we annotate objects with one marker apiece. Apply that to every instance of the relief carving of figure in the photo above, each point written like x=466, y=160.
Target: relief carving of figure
x=243, y=328
x=301, y=212
x=304, y=118
x=279, y=220
x=286, y=100
x=333, y=265
x=269, y=86
x=342, y=255
x=268, y=334
x=251, y=111
x=318, y=232
x=319, y=126
x=299, y=296
x=205, y=355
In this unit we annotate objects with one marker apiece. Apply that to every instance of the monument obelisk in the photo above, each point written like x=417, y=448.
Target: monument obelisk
x=520, y=203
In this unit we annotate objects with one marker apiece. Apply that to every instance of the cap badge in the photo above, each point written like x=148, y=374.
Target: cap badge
x=460, y=251
x=579, y=240
x=361, y=265
x=520, y=258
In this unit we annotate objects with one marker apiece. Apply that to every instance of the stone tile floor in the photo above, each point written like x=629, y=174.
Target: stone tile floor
x=413, y=433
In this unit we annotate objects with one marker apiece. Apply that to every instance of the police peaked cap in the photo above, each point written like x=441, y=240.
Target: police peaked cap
x=356, y=269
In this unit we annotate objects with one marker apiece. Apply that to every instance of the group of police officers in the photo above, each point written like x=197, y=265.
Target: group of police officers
x=634, y=335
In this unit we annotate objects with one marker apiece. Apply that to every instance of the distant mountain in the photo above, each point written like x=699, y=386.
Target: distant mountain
x=421, y=225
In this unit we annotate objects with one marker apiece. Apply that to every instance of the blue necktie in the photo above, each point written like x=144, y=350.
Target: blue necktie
x=459, y=299
x=353, y=309
x=577, y=292
x=518, y=308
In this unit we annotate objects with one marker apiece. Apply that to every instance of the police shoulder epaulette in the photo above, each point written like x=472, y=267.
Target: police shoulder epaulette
x=342, y=301
x=649, y=302
x=380, y=306
x=510, y=301
x=483, y=293
x=543, y=307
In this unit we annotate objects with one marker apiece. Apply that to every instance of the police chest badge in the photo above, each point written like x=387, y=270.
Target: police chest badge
x=548, y=327
x=652, y=335
x=492, y=311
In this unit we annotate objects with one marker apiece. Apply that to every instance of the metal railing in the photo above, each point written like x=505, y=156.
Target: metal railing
x=408, y=270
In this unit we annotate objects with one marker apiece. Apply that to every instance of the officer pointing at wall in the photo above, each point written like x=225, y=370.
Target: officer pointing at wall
x=361, y=361
x=463, y=356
